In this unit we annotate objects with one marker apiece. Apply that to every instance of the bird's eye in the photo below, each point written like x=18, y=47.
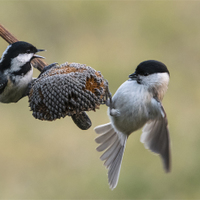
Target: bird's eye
x=28, y=51
x=146, y=74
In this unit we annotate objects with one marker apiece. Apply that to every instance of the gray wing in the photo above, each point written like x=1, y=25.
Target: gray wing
x=156, y=137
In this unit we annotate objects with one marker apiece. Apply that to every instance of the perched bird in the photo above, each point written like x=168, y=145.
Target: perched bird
x=136, y=103
x=16, y=71
x=68, y=89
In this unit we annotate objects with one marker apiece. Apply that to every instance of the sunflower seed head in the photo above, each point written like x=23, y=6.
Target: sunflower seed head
x=67, y=89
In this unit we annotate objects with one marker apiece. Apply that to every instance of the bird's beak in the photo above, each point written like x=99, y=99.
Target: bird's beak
x=38, y=56
x=133, y=76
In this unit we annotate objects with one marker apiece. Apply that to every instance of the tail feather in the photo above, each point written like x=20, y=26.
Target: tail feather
x=114, y=169
x=114, y=154
x=114, y=144
x=107, y=143
x=103, y=128
x=110, y=151
x=103, y=137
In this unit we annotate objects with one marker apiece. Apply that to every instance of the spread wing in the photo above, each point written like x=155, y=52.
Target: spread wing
x=156, y=137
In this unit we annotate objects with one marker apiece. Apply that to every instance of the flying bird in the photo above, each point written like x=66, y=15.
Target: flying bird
x=136, y=103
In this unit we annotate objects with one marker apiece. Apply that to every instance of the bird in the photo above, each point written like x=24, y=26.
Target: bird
x=137, y=103
x=16, y=71
x=68, y=89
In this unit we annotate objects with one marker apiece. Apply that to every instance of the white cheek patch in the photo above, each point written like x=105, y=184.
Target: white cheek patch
x=157, y=79
x=20, y=60
x=163, y=78
x=159, y=82
x=5, y=52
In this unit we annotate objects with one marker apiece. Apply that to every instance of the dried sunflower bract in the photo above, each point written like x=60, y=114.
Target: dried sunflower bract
x=67, y=89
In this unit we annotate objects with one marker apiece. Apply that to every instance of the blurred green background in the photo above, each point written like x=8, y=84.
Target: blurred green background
x=56, y=160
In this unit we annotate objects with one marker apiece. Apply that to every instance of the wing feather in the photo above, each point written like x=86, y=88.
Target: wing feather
x=156, y=137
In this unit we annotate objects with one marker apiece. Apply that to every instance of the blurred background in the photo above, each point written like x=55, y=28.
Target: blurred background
x=57, y=160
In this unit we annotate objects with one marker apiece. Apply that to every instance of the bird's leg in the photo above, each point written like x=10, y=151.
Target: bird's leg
x=109, y=102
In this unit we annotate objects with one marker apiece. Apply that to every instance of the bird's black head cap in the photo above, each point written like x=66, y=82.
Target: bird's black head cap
x=21, y=47
x=15, y=50
x=150, y=67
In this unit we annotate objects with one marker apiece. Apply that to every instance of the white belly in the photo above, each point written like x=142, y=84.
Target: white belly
x=14, y=92
x=131, y=101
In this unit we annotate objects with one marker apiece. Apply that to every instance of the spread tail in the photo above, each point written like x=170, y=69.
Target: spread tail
x=113, y=143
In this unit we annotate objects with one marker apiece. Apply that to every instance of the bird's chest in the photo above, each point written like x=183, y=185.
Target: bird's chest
x=16, y=87
x=134, y=109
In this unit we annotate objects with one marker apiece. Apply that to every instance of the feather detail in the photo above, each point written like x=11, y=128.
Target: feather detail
x=114, y=144
x=155, y=137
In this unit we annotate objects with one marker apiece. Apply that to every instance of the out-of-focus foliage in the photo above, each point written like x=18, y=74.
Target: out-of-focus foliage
x=56, y=160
